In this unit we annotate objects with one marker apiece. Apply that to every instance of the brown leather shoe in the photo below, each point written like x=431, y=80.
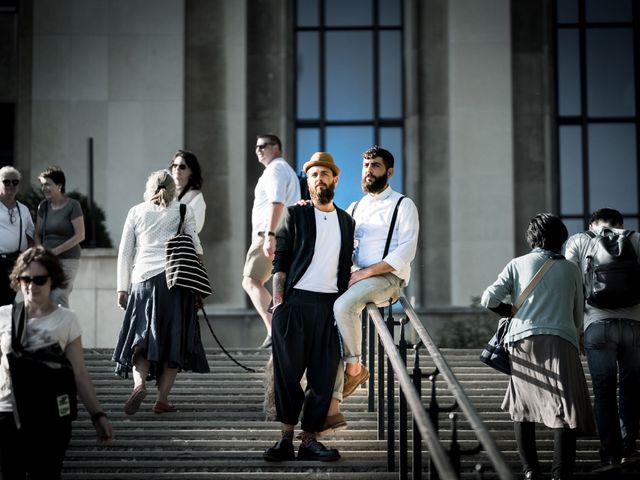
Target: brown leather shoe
x=333, y=424
x=351, y=382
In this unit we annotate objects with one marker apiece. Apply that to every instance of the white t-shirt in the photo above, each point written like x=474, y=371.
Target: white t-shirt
x=322, y=274
x=60, y=326
x=277, y=184
x=9, y=232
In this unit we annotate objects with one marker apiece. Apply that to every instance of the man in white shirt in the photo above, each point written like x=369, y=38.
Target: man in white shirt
x=612, y=346
x=382, y=257
x=278, y=187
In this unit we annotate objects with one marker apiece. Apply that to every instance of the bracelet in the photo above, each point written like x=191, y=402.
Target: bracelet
x=97, y=416
x=271, y=234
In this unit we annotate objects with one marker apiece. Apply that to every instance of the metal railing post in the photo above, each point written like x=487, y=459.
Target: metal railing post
x=372, y=362
x=403, y=467
x=391, y=404
x=380, y=386
x=416, y=456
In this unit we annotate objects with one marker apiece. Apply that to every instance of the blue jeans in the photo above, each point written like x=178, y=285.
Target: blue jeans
x=613, y=353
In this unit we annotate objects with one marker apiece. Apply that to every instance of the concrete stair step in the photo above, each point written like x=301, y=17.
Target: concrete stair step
x=220, y=431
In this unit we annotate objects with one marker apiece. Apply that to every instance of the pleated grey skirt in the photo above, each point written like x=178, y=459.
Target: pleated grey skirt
x=163, y=324
x=548, y=385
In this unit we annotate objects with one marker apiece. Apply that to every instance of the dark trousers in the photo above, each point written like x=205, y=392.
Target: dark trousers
x=564, y=449
x=33, y=455
x=304, y=337
x=613, y=352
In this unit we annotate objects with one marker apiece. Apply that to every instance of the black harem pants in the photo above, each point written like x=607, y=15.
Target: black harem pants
x=304, y=337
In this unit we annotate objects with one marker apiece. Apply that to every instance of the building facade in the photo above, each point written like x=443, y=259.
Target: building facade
x=468, y=94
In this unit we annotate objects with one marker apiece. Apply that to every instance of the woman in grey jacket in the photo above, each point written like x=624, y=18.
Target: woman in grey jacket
x=547, y=383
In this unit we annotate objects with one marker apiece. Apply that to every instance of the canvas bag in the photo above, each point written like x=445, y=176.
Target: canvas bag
x=183, y=267
x=42, y=381
x=495, y=354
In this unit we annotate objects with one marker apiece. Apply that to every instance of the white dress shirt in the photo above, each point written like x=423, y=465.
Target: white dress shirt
x=373, y=218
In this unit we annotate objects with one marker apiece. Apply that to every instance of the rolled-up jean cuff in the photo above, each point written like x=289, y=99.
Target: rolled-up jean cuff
x=352, y=359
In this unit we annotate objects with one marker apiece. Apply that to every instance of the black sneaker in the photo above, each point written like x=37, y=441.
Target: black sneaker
x=280, y=452
x=631, y=456
x=316, y=451
x=607, y=466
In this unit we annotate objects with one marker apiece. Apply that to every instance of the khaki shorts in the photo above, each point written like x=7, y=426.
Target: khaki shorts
x=256, y=265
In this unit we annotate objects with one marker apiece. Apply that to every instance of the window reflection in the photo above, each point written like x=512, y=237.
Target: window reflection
x=349, y=76
x=308, y=68
x=610, y=72
x=568, y=72
x=346, y=144
x=608, y=10
x=390, y=87
x=567, y=11
x=307, y=143
x=570, y=171
x=613, y=167
x=351, y=12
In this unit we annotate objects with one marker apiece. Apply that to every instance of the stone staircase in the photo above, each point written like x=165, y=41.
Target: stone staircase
x=220, y=431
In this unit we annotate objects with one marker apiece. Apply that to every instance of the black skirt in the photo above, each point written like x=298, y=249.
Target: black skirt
x=163, y=324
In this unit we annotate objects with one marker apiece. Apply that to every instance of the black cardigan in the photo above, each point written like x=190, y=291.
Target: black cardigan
x=296, y=242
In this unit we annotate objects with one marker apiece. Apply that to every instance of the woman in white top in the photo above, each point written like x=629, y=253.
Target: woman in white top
x=160, y=333
x=39, y=451
x=187, y=174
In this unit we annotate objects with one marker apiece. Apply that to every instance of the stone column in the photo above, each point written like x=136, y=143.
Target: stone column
x=534, y=136
x=215, y=129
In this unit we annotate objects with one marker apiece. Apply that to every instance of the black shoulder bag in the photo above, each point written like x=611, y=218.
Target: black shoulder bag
x=42, y=380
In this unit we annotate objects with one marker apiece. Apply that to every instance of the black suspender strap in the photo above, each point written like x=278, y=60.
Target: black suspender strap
x=183, y=210
x=391, y=227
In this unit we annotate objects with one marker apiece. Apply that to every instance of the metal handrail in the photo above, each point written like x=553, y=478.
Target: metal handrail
x=428, y=432
x=438, y=454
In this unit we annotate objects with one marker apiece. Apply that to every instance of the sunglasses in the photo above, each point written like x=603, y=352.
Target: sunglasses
x=262, y=146
x=13, y=182
x=181, y=166
x=37, y=279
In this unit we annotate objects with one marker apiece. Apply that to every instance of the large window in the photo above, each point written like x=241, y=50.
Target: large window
x=597, y=92
x=349, y=85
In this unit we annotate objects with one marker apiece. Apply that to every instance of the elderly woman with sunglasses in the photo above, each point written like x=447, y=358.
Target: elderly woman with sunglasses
x=60, y=228
x=16, y=229
x=186, y=173
x=39, y=451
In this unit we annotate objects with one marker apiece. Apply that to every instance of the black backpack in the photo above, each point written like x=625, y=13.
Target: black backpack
x=612, y=276
x=304, y=186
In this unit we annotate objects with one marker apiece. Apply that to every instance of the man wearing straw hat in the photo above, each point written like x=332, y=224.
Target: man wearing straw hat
x=311, y=269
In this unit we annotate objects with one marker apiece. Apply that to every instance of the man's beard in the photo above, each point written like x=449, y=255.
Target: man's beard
x=376, y=186
x=324, y=195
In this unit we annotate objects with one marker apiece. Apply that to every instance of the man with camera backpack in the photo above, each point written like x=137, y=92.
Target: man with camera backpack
x=609, y=257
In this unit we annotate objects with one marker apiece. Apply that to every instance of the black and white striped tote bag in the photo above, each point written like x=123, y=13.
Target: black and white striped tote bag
x=183, y=268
